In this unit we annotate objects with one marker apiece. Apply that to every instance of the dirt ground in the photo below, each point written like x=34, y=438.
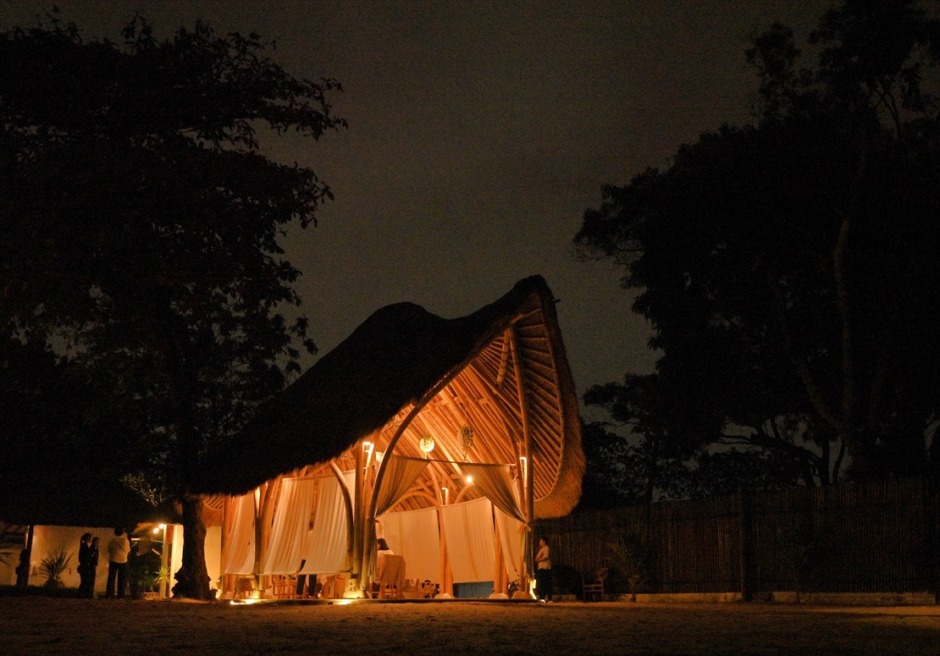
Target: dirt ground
x=38, y=625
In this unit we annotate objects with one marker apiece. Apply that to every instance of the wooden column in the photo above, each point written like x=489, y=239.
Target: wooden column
x=359, y=518
x=226, y=581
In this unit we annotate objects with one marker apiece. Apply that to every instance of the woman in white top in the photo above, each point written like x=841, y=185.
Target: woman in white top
x=543, y=571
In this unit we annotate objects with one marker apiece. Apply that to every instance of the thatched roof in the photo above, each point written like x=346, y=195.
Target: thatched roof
x=395, y=361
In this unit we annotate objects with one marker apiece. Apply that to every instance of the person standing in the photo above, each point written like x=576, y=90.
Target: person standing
x=93, y=565
x=543, y=571
x=22, y=570
x=85, y=573
x=119, y=548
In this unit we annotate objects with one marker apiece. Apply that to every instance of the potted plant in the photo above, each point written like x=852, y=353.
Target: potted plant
x=53, y=566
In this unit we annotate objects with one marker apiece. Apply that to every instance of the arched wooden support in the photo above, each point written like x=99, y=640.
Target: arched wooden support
x=347, y=502
x=369, y=536
x=524, y=572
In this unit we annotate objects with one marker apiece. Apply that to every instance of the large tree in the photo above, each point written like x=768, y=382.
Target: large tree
x=140, y=235
x=789, y=267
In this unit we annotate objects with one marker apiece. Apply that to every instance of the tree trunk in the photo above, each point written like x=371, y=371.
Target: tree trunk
x=192, y=579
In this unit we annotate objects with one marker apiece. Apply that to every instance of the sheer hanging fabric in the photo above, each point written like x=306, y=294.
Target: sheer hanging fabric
x=238, y=551
x=327, y=547
x=512, y=534
x=400, y=473
x=468, y=534
x=415, y=534
x=289, y=526
x=497, y=484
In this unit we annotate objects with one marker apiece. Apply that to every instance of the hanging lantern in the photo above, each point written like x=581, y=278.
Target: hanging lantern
x=466, y=438
x=426, y=444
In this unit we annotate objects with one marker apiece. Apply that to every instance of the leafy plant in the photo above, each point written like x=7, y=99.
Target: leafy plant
x=631, y=558
x=53, y=566
x=9, y=548
x=151, y=581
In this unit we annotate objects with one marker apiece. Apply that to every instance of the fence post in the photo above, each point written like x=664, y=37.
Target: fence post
x=745, y=528
x=931, y=530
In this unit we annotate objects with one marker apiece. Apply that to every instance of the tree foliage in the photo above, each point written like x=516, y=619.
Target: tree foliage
x=140, y=244
x=788, y=268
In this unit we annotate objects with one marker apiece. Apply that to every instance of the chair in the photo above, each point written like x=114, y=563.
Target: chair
x=244, y=587
x=593, y=584
x=334, y=586
x=283, y=587
x=390, y=575
x=411, y=589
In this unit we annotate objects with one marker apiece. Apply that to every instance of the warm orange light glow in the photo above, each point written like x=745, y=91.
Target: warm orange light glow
x=426, y=444
x=469, y=479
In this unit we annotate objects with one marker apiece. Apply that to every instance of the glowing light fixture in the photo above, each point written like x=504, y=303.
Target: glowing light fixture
x=469, y=479
x=426, y=444
x=244, y=602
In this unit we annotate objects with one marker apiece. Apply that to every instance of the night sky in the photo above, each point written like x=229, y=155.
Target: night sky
x=479, y=132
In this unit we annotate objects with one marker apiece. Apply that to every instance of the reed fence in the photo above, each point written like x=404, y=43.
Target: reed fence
x=863, y=537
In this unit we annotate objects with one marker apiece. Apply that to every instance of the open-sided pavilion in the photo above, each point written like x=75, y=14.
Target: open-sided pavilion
x=449, y=437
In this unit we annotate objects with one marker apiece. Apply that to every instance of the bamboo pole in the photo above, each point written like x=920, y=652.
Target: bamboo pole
x=527, y=555
x=359, y=519
x=226, y=581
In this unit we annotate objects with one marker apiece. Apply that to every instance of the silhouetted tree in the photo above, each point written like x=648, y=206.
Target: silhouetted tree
x=656, y=448
x=615, y=474
x=789, y=268
x=140, y=233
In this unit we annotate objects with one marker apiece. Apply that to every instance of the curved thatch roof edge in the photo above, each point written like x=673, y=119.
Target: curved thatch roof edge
x=394, y=358
x=567, y=491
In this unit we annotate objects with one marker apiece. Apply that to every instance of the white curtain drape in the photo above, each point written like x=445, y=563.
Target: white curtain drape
x=497, y=485
x=289, y=526
x=326, y=548
x=512, y=534
x=468, y=533
x=400, y=473
x=238, y=553
x=415, y=534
